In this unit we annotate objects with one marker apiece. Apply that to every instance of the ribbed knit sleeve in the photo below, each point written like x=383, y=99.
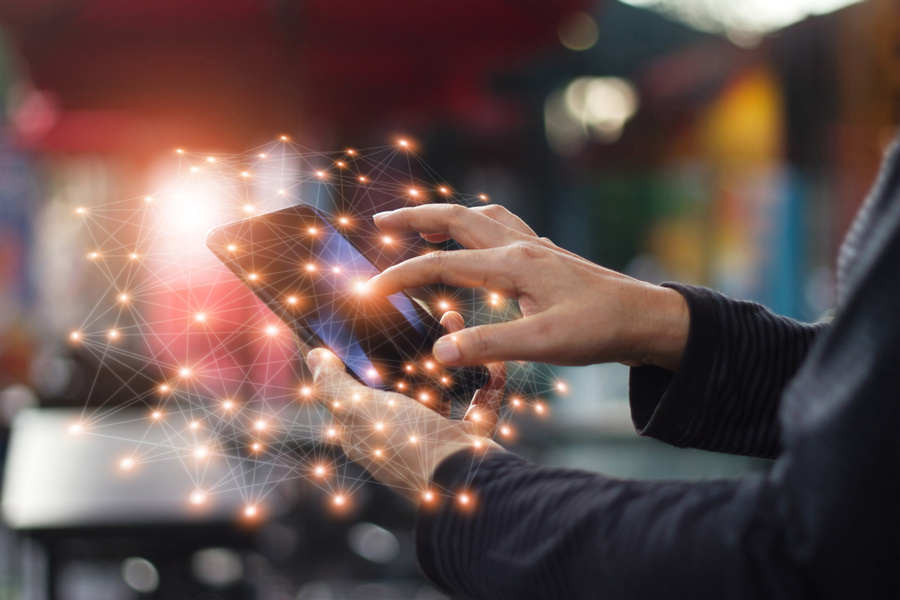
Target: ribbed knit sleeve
x=725, y=394
x=535, y=532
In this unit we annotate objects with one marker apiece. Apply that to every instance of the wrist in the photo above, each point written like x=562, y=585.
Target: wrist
x=665, y=324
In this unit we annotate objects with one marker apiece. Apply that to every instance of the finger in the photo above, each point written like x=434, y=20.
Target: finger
x=484, y=411
x=460, y=268
x=503, y=216
x=491, y=343
x=468, y=227
x=330, y=381
x=452, y=321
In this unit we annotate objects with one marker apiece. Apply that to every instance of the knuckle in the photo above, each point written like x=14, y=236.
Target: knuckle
x=482, y=342
x=493, y=211
x=527, y=250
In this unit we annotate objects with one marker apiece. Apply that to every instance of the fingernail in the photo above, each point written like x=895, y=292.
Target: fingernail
x=446, y=350
x=381, y=215
x=314, y=358
x=371, y=283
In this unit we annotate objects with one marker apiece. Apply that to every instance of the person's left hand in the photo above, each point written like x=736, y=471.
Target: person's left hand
x=396, y=438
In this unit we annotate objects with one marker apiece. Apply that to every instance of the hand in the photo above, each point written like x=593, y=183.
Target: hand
x=396, y=438
x=574, y=312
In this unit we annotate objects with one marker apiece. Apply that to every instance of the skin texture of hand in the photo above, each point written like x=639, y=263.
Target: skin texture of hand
x=397, y=439
x=574, y=312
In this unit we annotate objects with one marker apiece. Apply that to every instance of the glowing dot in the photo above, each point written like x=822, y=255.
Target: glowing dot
x=372, y=373
x=284, y=138
x=562, y=387
x=404, y=143
x=377, y=453
x=231, y=247
x=539, y=409
x=444, y=380
x=477, y=444
x=505, y=430
x=148, y=198
x=463, y=498
x=379, y=426
x=156, y=414
x=292, y=300
x=391, y=402
x=133, y=256
x=194, y=169
x=180, y=151
x=413, y=439
x=252, y=276
x=80, y=210
x=210, y=159
x=351, y=152
x=198, y=497
x=444, y=305
x=360, y=287
x=248, y=208
x=482, y=197
x=75, y=428
x=516, y=402
x=356, y=397
x=195, y=425
x=256, y=446
x=281, y=192
x=310, y=267
x=336, y=404
x=429, y=365
x=475, y=416
x=200, y=317
x=164, y=388
x=245, y=174
x=409, y=368
x=428, y=496
x=339, y=500
x=123, y=297
x=75, y=336
x=344, y=221
x=387, y=239
x=228, y=405
x=306, y=391
x=260, y=425
x=332, y=433
x=401, y=385
x=262, y=155
x=272, y=330
x=250, y=511
x=320, y=173
x=442, y=189
x=335, y=269
x=413, y=192
x=423, y=397
x=113, y=334
x=126, y=463
x=184, y=372
x=339, y=163
x=362, y=179
x=94, y=255
x=320, y=470
x=201, y=452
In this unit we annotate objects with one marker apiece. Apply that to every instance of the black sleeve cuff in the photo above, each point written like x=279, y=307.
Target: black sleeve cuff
x=663, y=403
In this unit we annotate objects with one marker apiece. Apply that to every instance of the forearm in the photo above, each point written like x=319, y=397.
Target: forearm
x=725, y=395
x=535, y=532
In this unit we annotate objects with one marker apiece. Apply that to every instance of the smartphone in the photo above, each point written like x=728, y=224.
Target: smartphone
x=311, y=274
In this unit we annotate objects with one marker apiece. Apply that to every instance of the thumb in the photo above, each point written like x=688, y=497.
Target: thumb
x=512, y=340
x=330, y=379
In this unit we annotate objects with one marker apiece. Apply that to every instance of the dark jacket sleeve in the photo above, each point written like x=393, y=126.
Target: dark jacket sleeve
x=725, y=394
x=822, y=522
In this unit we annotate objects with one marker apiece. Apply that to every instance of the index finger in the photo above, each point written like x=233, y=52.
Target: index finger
x=468, y=227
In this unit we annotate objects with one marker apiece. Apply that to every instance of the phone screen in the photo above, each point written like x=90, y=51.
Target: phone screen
x=313, y=277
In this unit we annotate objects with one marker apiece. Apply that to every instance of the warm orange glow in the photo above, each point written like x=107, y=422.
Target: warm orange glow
x=198, y=497
x=113, y=334
x=75, y=336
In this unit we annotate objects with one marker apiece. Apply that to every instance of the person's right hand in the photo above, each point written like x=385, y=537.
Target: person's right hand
x=574, y=312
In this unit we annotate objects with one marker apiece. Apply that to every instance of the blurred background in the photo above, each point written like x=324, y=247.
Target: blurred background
x=720, y=144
